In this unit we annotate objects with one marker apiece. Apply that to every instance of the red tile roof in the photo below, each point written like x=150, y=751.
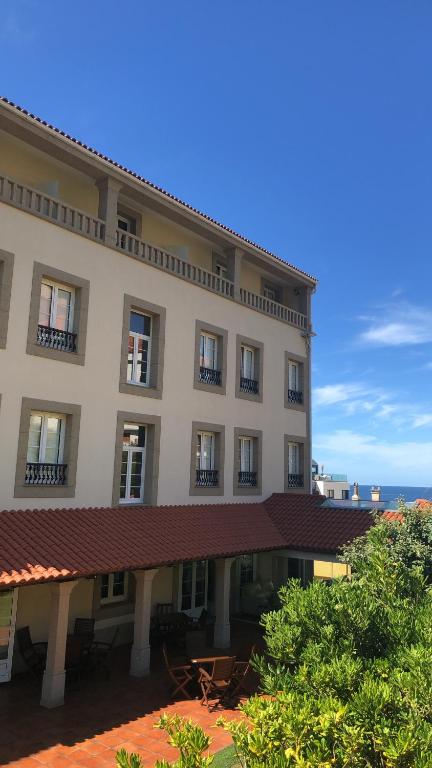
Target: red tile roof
x=150, y=184
x=55, y=544
x=306, y=525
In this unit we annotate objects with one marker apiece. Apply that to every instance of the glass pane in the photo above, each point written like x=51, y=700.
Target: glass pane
x=142, y=369
x=208, y=352
x=130, y=358
x=186, y=603
x=118, y=583
x=247, y=366
x=45, y=304
x=63, y=309
x=52, y=446
x=133, y=434
x=140, y=324
x=34, y=438
x=104, y=586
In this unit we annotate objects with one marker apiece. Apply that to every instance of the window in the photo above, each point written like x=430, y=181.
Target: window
x=246, y=563
x=133, y=464
x=126, y=224
x=142, y=351
x=206, y=474
x=249, y=374
x=114, y=587
x=295, y=381
x=6, y=271
x=58, y=315
x=270, y=293
x=247, y=461
x=207, y=459
x=47, y=449
x=210, y=358
x=295, y=479
x=221, y=270
x=345, y=494
x=139, y=349
x=136, y=459
x=330, y=493
x=194, y=577
x=297, y=464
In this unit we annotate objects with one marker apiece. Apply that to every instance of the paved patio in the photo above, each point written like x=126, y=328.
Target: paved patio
x=99, y=717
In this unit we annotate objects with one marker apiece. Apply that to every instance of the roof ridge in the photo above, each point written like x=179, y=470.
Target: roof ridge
x=149, y=183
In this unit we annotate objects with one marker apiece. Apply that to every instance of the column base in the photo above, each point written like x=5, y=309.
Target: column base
x=53, y=686
x=222, y=635
x=140, y=662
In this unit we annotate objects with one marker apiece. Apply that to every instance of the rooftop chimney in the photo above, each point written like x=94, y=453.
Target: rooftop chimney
x=375, y=493
x=356, y=495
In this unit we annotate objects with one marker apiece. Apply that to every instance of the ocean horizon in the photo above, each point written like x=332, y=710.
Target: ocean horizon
x=393, y=492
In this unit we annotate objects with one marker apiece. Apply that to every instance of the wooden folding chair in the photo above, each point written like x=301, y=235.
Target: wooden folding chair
x=240, y=673
x=215, y=685
x=179, y=674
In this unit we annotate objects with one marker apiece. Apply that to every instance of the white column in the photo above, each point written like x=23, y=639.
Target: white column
x=108, y=198
x=54, y=676
x=140, y=654
x=222, y=629
x=234, y=268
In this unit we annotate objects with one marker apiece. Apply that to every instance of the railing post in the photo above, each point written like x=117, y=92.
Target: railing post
x=108, y=198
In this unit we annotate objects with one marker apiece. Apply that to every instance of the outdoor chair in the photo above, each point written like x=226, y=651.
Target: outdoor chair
x=84, y=628
x=215, y=685
x=100, y=655
x=162, y=608
x=180, y=675
x=240, y=674
x=34, y=654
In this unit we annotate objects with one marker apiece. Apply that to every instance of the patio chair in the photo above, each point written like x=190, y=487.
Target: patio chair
x=100, y=655
x=163, y=608
x=240, y=673
x=215, y=685
x=180, y=675
x=34, y=654
x=84, y=628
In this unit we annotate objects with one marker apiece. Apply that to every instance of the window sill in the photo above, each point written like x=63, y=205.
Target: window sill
x=200, y=490
x=139, y=390
x=44, y=491
x=216, y=389
x=76, y=358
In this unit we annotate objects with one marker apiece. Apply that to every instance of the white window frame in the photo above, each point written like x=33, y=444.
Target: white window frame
x=294, y=459
x=206, y=336
x=111, y=597
x=130, y=450
x=243, y=350
x=124, y=220
x=194, y=610
x=239, y=569
x=199, y=450
x=221, y=270
x=243, y=441
x=43, y=436
x=56, y=287
x=270, y=292
x=293, y=376
x=136, y=339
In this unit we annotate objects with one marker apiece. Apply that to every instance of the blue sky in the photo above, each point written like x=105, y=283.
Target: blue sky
x=307, y=126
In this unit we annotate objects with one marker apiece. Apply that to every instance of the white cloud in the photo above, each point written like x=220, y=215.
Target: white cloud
x=370, y=459
x=423, y=420
x=352, y=397
x=398, y=325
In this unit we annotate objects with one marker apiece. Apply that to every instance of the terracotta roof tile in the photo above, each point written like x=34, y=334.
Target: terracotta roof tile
x=148, y=183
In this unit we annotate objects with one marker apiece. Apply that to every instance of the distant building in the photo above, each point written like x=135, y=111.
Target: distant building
x=334, y=486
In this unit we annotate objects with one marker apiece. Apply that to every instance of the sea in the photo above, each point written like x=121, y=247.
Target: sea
x=390, y=493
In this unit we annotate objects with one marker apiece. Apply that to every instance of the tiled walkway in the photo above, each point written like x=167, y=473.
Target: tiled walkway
x=97, y=719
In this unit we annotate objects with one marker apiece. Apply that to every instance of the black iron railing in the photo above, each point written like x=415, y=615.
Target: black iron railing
x=53, y=338
x=295, y=481
x=295, y=397
x=248, y=385
x=206, y=478
x=247, y=479
x=45, y=474
x=210, y=376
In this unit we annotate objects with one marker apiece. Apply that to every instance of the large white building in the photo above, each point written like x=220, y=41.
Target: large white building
x=149, y=356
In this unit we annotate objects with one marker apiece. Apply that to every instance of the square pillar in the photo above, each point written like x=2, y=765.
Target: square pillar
x=140, y=654
x=53, y=683
x=234, y=256
x=222, y=628
x=108, y=202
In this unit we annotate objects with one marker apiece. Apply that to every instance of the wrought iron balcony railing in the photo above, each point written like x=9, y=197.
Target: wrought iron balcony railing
x=294, y=396
x=45, y=474
x=247, y=479
x=210, y=376
x=54, y=338
x=248, y=385
x=295, y=481
x=207, y=478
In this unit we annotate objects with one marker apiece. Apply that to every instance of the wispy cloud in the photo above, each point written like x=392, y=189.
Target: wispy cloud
x=397, y=325
x=352, y=397
x=424, y=420
x=370, y=459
